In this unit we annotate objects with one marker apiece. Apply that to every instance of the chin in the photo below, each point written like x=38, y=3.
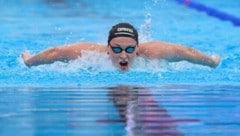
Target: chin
x=124, y=68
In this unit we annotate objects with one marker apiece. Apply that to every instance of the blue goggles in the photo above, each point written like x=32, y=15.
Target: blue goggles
x=129, y=49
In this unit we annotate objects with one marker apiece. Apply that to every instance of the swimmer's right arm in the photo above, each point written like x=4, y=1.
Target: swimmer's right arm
x=58, y=53
x=49, y=56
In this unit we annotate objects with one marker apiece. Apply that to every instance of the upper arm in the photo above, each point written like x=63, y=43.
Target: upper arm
x=73, y=51
x=67, y=52
x=159, y=50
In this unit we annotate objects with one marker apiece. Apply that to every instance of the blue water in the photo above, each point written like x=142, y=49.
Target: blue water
x=73, y=98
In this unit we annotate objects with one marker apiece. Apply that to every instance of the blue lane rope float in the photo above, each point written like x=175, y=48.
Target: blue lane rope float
x=211, y=11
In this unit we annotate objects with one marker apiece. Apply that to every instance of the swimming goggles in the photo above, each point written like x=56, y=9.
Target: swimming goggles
x=129, y=49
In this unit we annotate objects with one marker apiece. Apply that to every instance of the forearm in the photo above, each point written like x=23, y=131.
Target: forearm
x=197, y=57
x=45, y=57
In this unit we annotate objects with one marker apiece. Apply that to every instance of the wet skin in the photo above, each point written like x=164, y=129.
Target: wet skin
x=122, y=60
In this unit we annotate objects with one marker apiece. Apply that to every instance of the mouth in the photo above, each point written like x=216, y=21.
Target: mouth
x=124, y=65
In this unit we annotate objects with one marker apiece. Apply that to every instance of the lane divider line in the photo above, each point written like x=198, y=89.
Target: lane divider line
x=211, y=11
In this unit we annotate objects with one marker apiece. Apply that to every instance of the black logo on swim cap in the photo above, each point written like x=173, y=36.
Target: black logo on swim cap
x=123, y=29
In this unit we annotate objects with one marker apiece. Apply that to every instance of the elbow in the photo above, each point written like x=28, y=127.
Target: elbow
x=53, y=54
x=186, y=53
x=54, y=50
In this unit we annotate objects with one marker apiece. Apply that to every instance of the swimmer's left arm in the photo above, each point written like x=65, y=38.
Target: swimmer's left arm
x=194, y=56
x=175, y=52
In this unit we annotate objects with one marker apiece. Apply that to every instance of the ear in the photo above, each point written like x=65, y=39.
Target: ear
x=137, y=53
x=107, y=49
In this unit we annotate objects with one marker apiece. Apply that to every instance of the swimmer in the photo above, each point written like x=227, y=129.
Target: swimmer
x=123, y=47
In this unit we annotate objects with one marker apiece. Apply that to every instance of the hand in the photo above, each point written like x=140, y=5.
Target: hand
x=216, y=59
x=25, y=57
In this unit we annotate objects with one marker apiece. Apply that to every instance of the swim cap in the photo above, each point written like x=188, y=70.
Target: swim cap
x=123, y=29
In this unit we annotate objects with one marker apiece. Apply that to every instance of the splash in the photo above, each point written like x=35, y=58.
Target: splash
x=145, y=29
x=93, y=63
x=144, y=64
x=145, y=33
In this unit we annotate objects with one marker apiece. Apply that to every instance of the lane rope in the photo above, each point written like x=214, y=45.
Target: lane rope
x=223, y=16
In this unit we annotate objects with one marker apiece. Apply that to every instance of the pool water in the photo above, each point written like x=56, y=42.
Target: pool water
x=176, y=110
x=88, y=96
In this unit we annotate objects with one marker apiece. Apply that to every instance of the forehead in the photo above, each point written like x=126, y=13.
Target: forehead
x=123, y=41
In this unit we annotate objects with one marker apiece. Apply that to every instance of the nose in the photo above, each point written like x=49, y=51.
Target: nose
x=123, y=55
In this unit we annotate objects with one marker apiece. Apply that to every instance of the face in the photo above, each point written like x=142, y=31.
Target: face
x=122, y=51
